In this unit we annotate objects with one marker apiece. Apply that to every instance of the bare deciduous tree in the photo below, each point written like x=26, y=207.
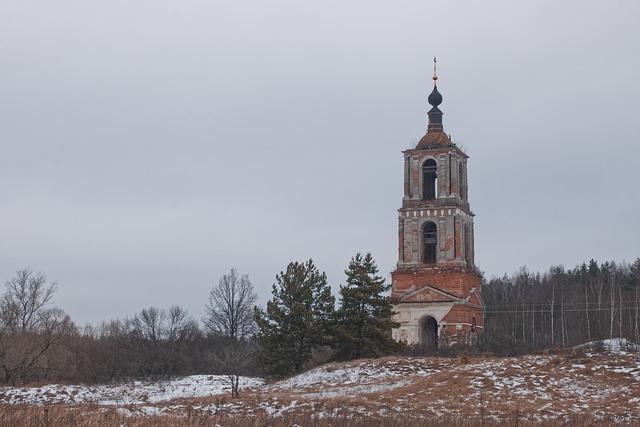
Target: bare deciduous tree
x=159, y=339
x=147, y=325
x=229, y=311
x=234, y=360
x=229, y=314
x=29, y=331
x=180, y=326
x=26, y=295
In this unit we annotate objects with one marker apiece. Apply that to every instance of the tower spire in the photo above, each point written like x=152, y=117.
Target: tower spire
x=435, y=99
x=435, y=75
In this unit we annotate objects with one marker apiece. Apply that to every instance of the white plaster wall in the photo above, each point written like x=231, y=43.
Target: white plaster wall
x=409, y=315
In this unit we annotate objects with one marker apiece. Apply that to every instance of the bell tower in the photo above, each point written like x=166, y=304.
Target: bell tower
x=436, y=283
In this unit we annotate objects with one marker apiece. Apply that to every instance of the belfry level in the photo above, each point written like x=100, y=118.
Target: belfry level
x=436, y=282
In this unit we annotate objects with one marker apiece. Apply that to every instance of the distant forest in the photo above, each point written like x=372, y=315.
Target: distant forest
x=525, y=312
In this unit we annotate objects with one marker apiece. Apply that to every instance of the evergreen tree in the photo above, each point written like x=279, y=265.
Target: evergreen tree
x=296, y=320
x=363, y=321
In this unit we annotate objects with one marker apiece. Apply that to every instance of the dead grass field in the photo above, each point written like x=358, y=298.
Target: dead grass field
x=563, y=389
x=87, y=415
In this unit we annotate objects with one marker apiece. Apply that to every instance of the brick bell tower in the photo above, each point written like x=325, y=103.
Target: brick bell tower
x=436, y=283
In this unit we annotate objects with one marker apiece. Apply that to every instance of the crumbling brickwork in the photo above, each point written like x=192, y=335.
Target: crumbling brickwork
x=436, y=281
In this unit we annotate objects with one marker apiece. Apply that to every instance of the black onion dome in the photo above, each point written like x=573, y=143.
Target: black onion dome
x=435, y=98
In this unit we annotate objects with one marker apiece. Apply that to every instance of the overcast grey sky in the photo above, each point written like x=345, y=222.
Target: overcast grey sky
x=147, y=147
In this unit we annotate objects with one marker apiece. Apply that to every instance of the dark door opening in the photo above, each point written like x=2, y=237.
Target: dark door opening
x=429, y=332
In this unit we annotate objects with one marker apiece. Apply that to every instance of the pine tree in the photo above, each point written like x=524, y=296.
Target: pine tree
x=363, y=321
x=296, y=320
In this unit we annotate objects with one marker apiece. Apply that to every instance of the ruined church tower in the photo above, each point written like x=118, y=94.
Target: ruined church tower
x=436, y=283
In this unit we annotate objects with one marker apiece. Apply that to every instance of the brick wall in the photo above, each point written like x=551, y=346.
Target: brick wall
x=455, y=281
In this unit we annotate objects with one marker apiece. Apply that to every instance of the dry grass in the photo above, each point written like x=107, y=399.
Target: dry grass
x=87, y=415
x=483, y=391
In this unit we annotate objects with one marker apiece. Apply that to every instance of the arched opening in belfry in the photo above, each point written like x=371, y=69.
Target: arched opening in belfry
x=429, y=243
x=462, y=190
x=429, y=332
x=429, y=179
x=467, y=245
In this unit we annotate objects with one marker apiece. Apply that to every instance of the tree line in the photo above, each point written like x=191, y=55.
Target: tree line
x=302, y=325
x=39, y=342
x=562, y=308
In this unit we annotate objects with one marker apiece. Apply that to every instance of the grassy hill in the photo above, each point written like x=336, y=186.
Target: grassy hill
x=595, y=384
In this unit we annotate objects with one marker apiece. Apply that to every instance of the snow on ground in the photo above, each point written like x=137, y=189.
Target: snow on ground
x=601, y=380
x=368, y=376
x=615, y=345
x=138, y=392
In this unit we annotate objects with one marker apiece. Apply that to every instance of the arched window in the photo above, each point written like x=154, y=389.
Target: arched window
x=429, y=179
x=430, y=243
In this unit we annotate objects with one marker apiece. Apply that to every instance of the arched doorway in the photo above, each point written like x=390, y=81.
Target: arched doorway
x=429, y=332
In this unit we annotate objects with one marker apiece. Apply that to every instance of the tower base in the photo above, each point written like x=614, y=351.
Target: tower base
x=437, y=306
